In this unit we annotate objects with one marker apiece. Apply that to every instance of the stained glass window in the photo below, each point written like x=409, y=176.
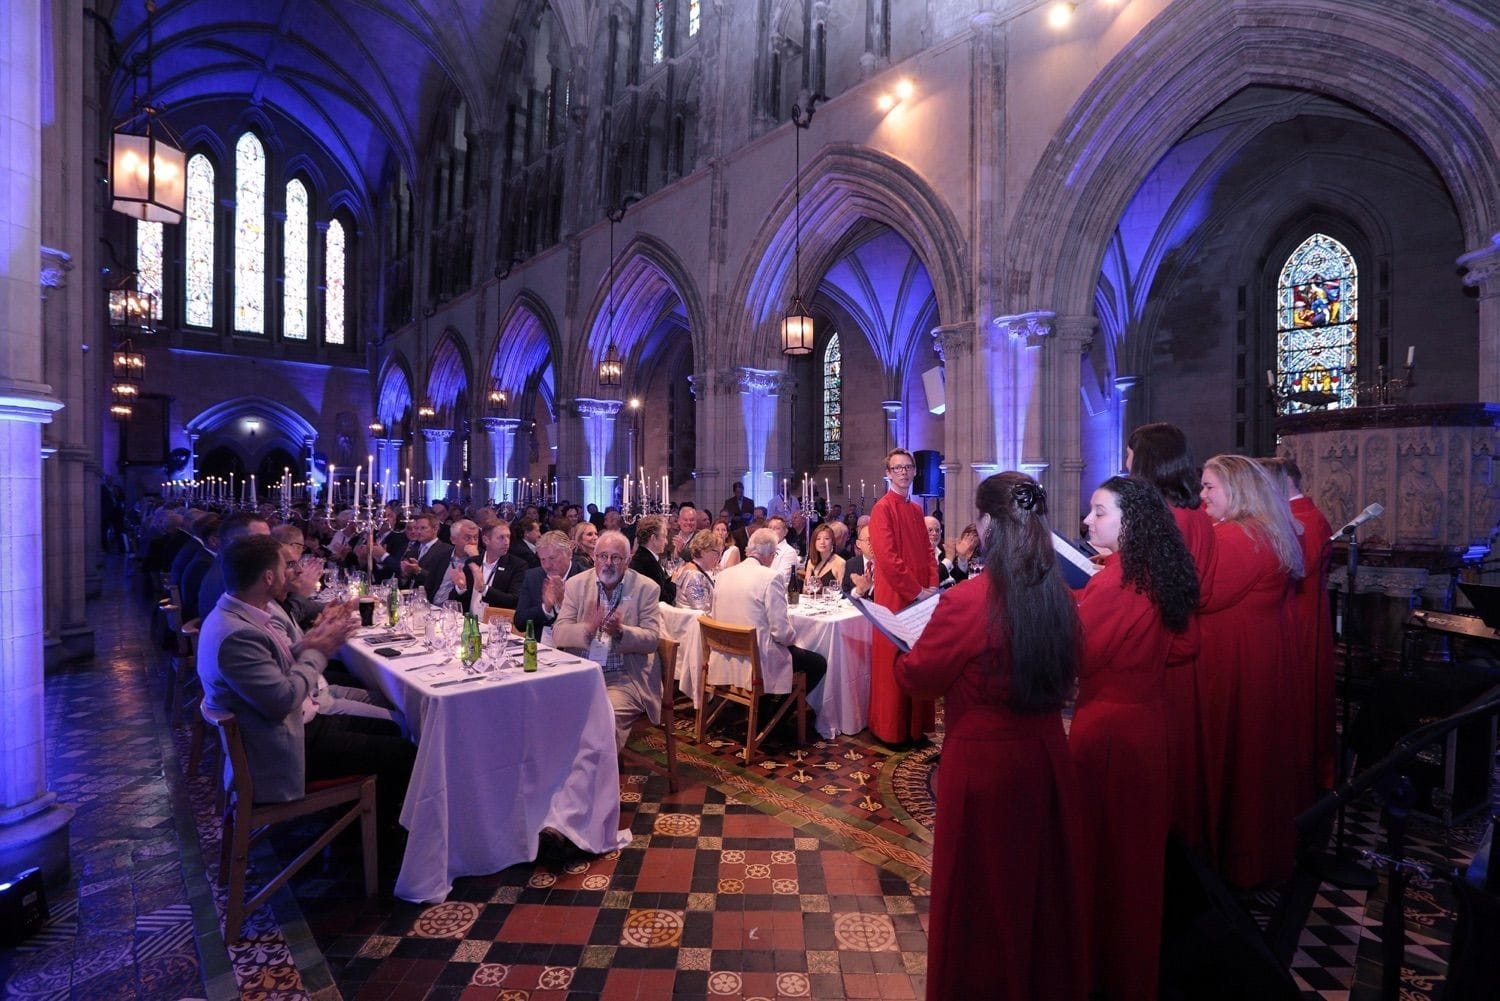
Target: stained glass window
x=249, y=235
x=199, y=311
x=148, y=258
x=294, y=263
x=695, y=16
x=333, y=275
x=1316, y=326
x=658, y=31
x=833, y=401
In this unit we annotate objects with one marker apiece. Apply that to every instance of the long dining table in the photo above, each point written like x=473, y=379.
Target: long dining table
x=837, y=631
x=500, y=757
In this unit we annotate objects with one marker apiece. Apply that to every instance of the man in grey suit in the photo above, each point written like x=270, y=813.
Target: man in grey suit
x=254, y=670
x=609, y=616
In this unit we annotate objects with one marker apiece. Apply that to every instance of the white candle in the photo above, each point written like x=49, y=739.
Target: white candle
x=254, y=498
x=784, y=494
x=406, y=491
x=827, y=497
x=1411, y=355
x=357, y=471
x=665, y=488
x=625, y=492
x=1270, y=379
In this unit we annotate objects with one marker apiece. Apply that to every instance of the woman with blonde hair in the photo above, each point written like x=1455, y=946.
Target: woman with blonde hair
x=1244, y=671
x=695, y=588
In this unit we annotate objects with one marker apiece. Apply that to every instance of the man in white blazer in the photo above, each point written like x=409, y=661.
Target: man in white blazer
x=753, y=593
x=609, y=616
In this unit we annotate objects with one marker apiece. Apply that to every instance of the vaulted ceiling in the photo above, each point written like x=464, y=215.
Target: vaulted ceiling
x=366, y=78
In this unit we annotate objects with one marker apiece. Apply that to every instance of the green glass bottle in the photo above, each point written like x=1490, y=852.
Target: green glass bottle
x=471, y=645
x=528, y=649
x=393, y=605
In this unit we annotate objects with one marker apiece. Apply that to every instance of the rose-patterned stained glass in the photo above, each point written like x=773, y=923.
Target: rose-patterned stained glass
x=1317, y=323
x=333, y=275
x=695, y=16
x=199, y=278
x=833, y=401
x=294, y=263
x=249, y=235
x=148, y=261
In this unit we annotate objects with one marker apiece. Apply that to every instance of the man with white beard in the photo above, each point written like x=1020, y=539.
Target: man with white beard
x=609, y=616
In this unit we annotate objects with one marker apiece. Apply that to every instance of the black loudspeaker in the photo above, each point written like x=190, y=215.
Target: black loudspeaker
x=23, y=906
x=1210, y=946
x=929, y=481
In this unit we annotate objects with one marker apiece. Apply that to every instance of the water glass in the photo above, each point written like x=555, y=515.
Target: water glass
x=812, y=588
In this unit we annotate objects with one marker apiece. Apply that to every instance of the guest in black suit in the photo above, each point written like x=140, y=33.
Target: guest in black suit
x=859, y=576
x=542, y=587
x=497, y=574
x=197, y=567
x=426, y=560
x=390, y=546
x=650, y=543
x=525, y=534
x=194, y=547
x=740, y=507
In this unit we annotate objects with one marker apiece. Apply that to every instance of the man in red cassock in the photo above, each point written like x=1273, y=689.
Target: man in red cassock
x=905, y=570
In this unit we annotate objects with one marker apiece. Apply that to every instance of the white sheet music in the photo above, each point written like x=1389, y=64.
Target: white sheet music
x=1066, y=550
x=902, y=628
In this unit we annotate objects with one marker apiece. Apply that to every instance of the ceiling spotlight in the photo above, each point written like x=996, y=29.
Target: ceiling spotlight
x=1061, y=13
x=885, y=102
x=904, y=89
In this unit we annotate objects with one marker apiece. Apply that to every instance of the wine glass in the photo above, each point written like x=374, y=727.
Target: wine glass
x=812, y=588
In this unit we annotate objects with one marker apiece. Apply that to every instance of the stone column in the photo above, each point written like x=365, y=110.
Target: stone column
x=1062, y=422
x=1484, y=274
x=892, y=410
x=33, y=824
x=502, y=432
x=190, y=471
x=437, y=462
x=759, y=399
x=1016, y=349
x=598, y=418
x=968, y=428
x=1125, y=387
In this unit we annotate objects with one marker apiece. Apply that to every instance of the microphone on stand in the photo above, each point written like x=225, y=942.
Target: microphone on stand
x=1373, y=511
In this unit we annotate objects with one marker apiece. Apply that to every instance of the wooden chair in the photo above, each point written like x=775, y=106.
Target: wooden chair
x=666, y=655
x=184, y=680
x=244, y=820
x=172, y=641
x=505, y=615
x=740, y=641
x=200, y=741
x=174, y=595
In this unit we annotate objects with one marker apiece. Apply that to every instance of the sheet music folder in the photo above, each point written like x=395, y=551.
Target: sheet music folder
x=902, y=628
x=1076, y=568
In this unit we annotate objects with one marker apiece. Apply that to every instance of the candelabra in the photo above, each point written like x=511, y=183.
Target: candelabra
x=1385, y=390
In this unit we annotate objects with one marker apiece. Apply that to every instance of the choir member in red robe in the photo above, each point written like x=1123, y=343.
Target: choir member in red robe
x=1130, y=613
x=1159, y=454
x=1314, y=624
x=1247, y=716
x=1008, y=916
x=905, y=570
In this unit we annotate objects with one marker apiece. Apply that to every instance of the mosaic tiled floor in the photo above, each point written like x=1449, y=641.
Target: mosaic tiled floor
x=803, y=876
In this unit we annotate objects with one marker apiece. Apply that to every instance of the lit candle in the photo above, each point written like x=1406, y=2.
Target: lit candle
x=231, y=479
x=625, y=492
x=665, y=488
x=406, y=491
x=370, y=477
x=357, y=471
x=554, y=489
x=827, y=497
x=1411, y=355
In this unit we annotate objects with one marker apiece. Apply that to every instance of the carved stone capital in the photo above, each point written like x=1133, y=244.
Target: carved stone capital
x=892, y=409
x=55, y=267
x=1076, y=333
x=955, y=341
x=762, y=381
x=596, y=408
x=500, y=425
x=1034, y=326
x=437, y=434
x=1483, y=268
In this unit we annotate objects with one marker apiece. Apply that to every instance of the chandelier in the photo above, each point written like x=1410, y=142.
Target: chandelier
x=147, y=172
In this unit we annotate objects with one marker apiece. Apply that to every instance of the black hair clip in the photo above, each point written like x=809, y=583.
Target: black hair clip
x=1029, y=495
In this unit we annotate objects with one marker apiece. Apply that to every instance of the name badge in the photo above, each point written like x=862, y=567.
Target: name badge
x=598, y=652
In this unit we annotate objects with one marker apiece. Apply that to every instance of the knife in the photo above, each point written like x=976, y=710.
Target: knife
x=460, y=681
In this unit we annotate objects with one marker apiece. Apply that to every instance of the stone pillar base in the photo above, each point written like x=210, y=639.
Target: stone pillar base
x=71, y=645
x=39, y=838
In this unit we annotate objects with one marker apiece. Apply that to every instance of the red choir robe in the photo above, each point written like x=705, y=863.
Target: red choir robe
x=1314, y=637
x=1243, y=732
x=1007, y=919
x=1126, y=776
x=1189, y=816
x=904, y=565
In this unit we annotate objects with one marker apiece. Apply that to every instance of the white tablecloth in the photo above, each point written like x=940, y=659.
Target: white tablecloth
x=842, y=701
x=497, y=761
